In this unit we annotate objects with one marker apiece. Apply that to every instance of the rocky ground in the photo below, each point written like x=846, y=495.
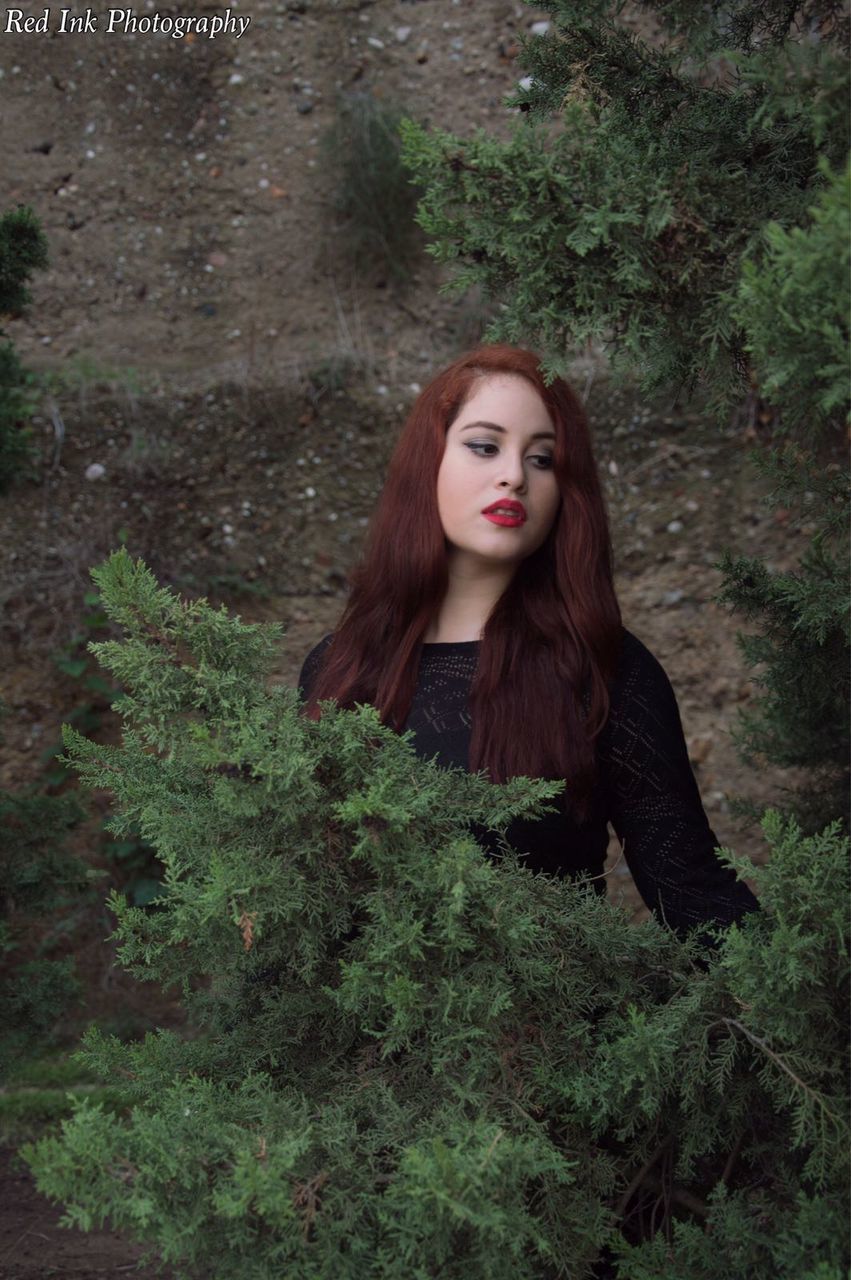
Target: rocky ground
x=225, y=381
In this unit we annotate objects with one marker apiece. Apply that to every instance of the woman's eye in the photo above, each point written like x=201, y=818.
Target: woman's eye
x=544, y=460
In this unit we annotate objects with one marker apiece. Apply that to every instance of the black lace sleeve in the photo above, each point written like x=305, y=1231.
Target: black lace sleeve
x=310, y=666
x=654, y=805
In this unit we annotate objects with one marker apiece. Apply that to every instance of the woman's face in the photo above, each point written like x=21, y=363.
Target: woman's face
x=498, y=449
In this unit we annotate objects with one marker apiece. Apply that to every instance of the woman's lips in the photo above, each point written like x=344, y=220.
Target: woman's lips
x=510, y=522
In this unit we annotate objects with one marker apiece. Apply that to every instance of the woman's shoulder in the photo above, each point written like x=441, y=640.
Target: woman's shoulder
x=311, y=663
x=320, y=648
x=635, y=655
x=640, y=677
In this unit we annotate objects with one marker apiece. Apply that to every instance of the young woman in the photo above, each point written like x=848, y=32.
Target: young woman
x=483, y=617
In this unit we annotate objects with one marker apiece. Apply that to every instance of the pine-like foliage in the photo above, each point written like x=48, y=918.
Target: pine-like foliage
x=641, y=181
x=686, y=202
x=36, y=876
x=410, y=1059
x=790, y=304
x=23, y=250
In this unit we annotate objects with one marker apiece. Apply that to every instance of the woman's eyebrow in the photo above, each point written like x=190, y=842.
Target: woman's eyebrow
x=492, y=426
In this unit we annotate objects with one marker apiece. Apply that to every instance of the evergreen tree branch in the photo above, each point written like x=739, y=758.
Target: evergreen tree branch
x=784, y=1066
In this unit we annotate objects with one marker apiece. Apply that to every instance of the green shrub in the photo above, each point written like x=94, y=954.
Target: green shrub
x=134, y=861
x=23, y=249
x=374, y=192
x=16, y=409
x=37, y=878
x=409, y=1059
x=793, y=304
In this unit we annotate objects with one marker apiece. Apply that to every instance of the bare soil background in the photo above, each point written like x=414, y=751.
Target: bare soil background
x=227, y=383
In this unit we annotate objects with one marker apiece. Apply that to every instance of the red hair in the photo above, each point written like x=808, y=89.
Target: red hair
x=539, y=697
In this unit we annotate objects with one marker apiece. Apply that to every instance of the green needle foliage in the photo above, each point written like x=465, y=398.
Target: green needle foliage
x=37, y=877
x=23, y=250
x=791, y=306
x=685, y=201
x=633, y=220
x=409, y=1059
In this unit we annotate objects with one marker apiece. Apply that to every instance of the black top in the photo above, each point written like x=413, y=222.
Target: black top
x=645, y=787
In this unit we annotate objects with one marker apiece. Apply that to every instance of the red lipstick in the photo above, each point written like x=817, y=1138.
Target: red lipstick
x=506, y=512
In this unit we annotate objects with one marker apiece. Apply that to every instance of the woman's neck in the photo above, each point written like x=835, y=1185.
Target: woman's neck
x=456, y=621
x=466, y=607
x=451, y=635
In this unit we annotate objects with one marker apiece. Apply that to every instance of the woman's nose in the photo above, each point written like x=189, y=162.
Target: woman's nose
x=513, y=473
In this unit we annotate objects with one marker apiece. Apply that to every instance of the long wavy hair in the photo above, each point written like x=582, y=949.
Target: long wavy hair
x=540, y=695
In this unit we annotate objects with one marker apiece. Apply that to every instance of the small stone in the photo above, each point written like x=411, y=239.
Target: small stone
x=718, y=800
x=539, y=28
x=95, y=471
x=402, y=34
x=613, y=468
x=374, y=42
x=304, y=109
x=675, y=526
x=673, y=597
x=236, y=78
